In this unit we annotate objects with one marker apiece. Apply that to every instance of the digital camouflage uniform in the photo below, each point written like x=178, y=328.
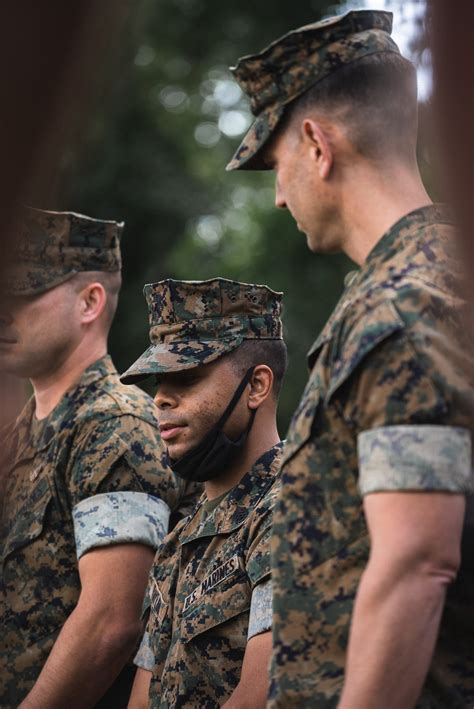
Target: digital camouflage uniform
x=210, y=588
x=389, y=406
x=205, y=593
x=90, y=474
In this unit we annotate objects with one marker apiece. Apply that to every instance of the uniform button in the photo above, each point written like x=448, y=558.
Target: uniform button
x=349, y=278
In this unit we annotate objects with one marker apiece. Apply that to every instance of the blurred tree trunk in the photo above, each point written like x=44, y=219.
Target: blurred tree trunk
x=453, y=62
x=51, y=59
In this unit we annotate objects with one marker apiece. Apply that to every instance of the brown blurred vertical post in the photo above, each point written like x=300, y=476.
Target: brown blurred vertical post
x=51, y=60
x=453, y=62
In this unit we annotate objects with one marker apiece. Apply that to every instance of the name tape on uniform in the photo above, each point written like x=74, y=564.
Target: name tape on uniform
x=218, y=575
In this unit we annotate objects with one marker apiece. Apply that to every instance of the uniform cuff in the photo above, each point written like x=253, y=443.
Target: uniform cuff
x=144, y=657
x=260, y=619
x=118, y=518
x=415, y=458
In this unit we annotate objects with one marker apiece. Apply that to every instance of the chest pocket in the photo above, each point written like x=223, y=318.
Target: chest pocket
x=337, y=354
x=27, y=515
x=220, y=597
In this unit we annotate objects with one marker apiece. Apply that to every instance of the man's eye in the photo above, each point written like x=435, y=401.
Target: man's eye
x=190, y=379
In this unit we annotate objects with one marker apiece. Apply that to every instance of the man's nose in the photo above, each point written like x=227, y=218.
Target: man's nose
x=279, y=199
x=165, y=399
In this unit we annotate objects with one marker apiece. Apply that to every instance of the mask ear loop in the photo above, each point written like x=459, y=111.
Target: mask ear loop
x=231, y=405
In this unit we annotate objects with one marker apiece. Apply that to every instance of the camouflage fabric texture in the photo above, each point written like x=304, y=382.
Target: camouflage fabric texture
x=102, y=437
x=195, y=322
x=54, y=246
x=390, y=362
x=293, y=63
x=200, y=592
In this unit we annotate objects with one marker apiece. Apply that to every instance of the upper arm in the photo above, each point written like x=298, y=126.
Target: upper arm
x=415, y=531
x=252, y=689
x=258, y=558
x=121, y=492
x=114, y=579
x=409, y=408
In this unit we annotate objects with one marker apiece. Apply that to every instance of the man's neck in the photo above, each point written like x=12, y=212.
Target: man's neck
x=262, y=437
x=375, y=201
x=50, y=388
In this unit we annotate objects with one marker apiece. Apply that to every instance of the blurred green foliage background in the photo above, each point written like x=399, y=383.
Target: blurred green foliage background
x=154, y=153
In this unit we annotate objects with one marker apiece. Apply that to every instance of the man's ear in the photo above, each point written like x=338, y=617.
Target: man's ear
x=316, y=140
x=261, y=385
x=92, y=300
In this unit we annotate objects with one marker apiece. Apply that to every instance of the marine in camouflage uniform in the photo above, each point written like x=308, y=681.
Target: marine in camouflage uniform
x=209, y=589
x=88, y=475
x=389, y=407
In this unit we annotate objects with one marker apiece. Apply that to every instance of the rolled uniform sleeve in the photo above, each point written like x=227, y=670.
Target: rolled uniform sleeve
x=118, y=518
x=259, y=566
x=120, y=490
x=415, y=458
x=410, y=417
x=260, y=619
x=258, y=560
x=145, y=659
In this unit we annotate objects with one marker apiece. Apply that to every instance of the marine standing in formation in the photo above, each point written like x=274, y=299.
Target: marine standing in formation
x=377, y=464
x=87, y=495
x=219, y=358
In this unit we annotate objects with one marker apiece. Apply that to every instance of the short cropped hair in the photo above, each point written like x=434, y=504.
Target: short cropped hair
x=111, y=281
x=374, y=98
x=272, y=353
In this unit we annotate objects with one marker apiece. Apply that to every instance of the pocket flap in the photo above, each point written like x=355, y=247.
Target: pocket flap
x=362, y=337
x=330, y=370
x=221, y=596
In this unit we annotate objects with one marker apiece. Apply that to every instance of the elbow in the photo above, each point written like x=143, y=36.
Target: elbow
x=119, y=639
x=444, y=567
x=427, y=566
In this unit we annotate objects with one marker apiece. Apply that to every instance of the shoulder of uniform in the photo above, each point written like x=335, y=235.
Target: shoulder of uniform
x=114, y=399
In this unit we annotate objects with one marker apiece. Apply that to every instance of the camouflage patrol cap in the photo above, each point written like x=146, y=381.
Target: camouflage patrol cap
x=293, y=63
x=195, y=322
x=54, y=246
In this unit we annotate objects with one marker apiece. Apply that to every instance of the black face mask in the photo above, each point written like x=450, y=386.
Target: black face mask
x=216, y=451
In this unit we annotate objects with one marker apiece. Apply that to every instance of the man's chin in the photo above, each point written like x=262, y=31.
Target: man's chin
x=178, y=451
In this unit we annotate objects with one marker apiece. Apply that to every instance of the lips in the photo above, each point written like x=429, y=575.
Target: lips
x=171, y=430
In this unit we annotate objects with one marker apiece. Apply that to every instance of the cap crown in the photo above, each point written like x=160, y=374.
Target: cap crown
x=53, y=246
x=195, y=322
x=212, y=310
x=286, y=68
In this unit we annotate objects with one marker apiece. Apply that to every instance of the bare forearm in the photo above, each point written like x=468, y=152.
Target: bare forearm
x=246, y=697
x=393, y=634
x=83, y=663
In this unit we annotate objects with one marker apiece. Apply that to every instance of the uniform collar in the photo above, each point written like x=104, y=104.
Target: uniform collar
x=392, y=241
x=31, y=435
x=239, y=502
x=388, y=246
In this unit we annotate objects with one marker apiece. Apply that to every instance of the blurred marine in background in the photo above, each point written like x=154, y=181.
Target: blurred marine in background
x=219, y=358
x=86, y=495
x=373, y=527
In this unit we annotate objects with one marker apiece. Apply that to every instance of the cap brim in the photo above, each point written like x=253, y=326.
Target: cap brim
x=248, y=155
x=33, y=280
x=176, y=356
